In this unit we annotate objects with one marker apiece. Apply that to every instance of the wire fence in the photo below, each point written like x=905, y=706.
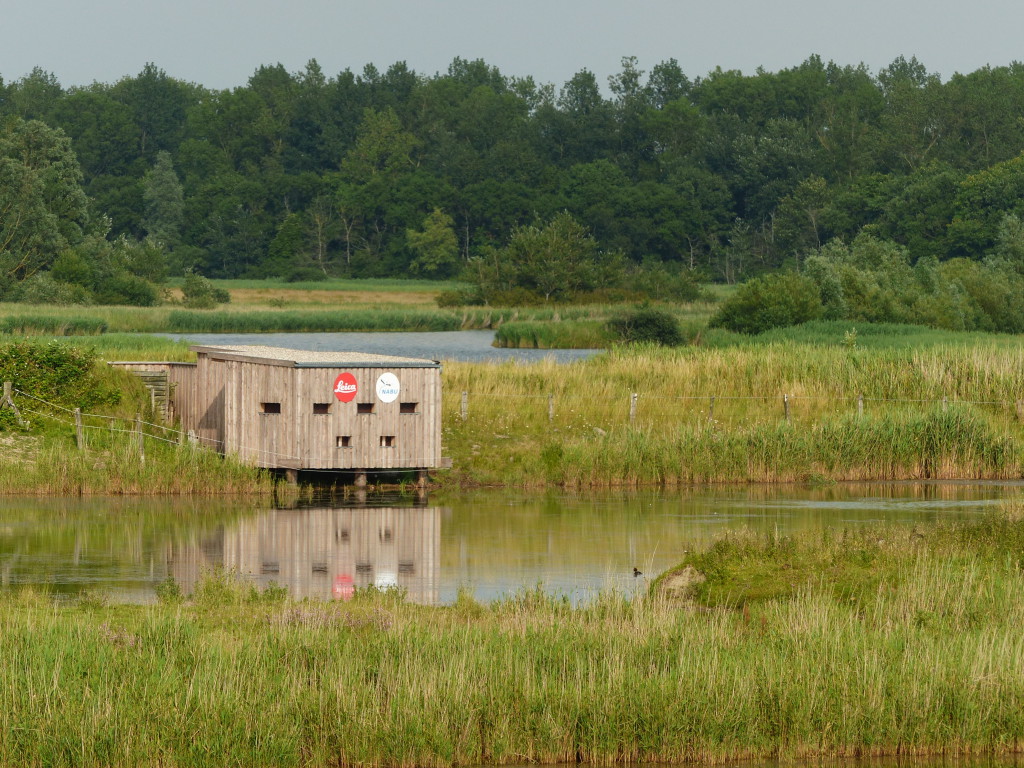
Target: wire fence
x=138, y=431
x=636, y=407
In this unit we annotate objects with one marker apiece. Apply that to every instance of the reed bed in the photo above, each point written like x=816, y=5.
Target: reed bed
x=854, y=414
x=50, y=465
x=925, y=659
x=307, y=318
x=570, y=334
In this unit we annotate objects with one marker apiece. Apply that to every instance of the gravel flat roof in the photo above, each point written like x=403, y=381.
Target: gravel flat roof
x=304, y=358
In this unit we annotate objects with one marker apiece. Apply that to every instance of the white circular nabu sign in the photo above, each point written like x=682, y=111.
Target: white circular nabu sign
x=388, y=388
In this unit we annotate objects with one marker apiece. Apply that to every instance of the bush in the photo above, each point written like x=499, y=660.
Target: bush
x=772, y=301
x=647, y=324
x=305, y=275
x=458, y=298
x=199, y=293
x=58, y=373
x=44, y=289
x=128, y=289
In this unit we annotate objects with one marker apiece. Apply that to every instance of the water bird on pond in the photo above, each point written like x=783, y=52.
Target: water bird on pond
x=637, y=572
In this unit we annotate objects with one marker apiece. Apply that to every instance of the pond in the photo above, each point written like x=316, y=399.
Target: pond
x=491, y=543
x=465, y=346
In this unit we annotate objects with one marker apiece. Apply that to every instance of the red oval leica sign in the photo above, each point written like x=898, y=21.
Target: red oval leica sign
x=345, y=387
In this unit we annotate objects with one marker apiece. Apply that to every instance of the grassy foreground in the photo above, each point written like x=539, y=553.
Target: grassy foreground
x=882, y=641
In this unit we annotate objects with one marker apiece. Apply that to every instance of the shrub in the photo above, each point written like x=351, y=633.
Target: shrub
x=44, y=289
x=771, y=301
x=126, y=288
x=647, y=324
x=56, y=372
x=199, y=293
x=305, y=275
x=458, y=298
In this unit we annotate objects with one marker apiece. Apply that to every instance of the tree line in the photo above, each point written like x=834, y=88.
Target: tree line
x=397, y=173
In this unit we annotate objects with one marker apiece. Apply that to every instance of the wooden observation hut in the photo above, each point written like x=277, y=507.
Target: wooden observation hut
x=300, y=410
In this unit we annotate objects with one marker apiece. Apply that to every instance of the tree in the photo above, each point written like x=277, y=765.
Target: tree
x=771, y=301
x=435, y=245
x=164, y=199
x=553, y=260
x=42, y=205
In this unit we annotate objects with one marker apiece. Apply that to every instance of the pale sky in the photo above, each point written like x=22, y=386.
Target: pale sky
x=219, y=43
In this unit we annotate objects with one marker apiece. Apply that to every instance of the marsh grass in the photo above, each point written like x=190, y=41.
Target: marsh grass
x=679, y=436
x=51, y=465
x=889, y=643
x=568, y=334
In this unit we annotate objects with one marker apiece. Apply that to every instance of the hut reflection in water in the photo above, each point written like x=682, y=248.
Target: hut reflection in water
x=312, y=551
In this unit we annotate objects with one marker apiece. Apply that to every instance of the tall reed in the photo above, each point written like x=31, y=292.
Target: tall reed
x=720, y=415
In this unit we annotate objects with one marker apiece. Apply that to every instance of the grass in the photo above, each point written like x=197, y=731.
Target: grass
x=890, y=643
x=569, y=424
x=51, y=466
x=876, y=410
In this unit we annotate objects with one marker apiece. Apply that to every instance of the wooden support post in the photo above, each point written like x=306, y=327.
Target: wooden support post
x=785, y=405
x=139, y=442
x=291, y=476
x=79, y=431
x=551, y=408
x=8, y=402
x=465, y=405
x=421, y=479
x=860, y=406
x=192, y=439
x=711, y=409
x=360, y=479
x=632, y=407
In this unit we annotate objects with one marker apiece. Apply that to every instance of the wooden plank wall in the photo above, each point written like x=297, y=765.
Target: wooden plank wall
x=208, y=404
x=181, y=381
x=306, y=549
x=301, y=439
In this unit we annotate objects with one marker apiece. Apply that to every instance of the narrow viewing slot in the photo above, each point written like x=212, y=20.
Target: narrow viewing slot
x=344, y=441
x=387, y=441
x=409, y=408
x=364, y=407
x=270, y=407
x=321, y=408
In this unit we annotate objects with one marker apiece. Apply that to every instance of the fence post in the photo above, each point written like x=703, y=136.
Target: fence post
x=139, y=444
x=711, y=409
x=632, y=407
x=785, y=405
x=551, y=408
x=79, y=432
x=8, y=402
x=465, y=405
x=945, y=404
x=860, y=406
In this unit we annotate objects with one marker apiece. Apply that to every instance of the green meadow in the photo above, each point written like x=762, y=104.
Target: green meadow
x=879, y=641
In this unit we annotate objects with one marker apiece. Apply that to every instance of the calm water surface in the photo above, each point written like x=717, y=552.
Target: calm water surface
x=465, y=346
x=491, y=543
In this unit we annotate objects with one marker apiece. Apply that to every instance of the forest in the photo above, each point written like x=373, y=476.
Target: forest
x=105, y=189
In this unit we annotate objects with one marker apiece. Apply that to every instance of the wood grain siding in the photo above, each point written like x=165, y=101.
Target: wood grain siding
x=262, y=409
x=305, y=550
x=181, y=382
